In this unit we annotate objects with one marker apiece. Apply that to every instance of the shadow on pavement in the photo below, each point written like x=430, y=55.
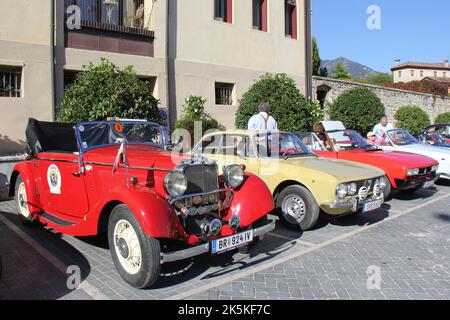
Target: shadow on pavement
x=361, y=219
x=443, y=217
x=209, y=266
x=420, y=194
x=29, y=275
x=443, y=182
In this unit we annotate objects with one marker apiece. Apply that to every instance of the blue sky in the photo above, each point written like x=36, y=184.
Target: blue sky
x=411, y=30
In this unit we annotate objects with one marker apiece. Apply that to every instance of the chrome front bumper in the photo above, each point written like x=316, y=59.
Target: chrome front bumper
x=205, y=248
x=352, y=204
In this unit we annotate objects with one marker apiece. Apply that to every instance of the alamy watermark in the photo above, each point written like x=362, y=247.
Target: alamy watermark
x=74, y=278
x=73, y=17
x=373, y=278
x=374, y=19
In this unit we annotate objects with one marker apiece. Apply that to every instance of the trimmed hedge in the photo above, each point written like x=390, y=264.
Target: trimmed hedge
x=443, y=118
x=359, y=109
x=412, y=118
x=288, y=106
x=102, y=91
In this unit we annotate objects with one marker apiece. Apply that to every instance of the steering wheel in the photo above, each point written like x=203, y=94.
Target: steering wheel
x=288, y=151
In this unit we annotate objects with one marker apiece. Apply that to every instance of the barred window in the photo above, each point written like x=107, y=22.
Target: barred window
x=126, y=13
x=224, y=93
x=10, y=82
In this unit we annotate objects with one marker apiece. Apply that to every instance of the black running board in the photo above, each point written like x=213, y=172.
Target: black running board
x=56, y=220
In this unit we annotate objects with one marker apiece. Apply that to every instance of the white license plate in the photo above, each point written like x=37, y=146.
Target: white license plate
x=428, y=184
x=231, y=242
x=372, y=205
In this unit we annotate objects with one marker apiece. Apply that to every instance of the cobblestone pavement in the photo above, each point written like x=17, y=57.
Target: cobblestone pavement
x=407, y=242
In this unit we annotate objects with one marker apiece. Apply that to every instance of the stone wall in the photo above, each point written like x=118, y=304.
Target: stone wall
x=391, y=98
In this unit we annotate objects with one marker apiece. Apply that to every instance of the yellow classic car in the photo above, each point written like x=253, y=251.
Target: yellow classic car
x=302, y=183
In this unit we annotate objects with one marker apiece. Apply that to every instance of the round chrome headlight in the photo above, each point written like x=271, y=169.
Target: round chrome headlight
x=352, y=189
x=234, y=176
x=341, y=191
x=435, y=167
x=175, y=183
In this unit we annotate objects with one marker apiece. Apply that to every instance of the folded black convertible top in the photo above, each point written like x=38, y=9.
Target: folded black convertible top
x=50, y=136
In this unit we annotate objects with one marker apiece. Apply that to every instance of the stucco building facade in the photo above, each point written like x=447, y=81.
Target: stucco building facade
x=212, y=48
x=416, y=71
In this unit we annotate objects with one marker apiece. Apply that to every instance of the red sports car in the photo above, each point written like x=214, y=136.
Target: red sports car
x=406, y=172
x=155, y=207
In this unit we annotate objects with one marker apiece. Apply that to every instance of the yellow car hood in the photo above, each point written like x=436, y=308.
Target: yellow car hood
x=343, y=171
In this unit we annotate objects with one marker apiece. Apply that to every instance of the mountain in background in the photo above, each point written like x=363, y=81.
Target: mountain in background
x=357, y=70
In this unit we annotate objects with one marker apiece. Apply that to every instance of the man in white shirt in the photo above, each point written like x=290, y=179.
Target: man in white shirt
x=382, y=128
x=262, y=120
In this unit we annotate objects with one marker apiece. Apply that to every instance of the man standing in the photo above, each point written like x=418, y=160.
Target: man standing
x=262, y=120
x=382, y=128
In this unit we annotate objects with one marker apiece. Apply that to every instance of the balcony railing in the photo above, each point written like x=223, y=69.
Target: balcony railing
x=129, y=16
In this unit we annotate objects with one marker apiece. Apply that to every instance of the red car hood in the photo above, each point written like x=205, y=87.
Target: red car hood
x=137, y=155
x=390, y=158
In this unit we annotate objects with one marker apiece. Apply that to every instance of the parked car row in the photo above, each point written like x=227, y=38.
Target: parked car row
x=156, y=207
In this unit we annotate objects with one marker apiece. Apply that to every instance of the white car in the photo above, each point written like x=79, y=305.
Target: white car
x=401, y=140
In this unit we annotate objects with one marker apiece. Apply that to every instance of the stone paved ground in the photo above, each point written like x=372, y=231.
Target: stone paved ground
x=408, y=240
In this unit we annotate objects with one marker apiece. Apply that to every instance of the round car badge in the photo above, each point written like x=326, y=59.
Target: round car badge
x=54, y=179
x=118, y=127
x=81, y=128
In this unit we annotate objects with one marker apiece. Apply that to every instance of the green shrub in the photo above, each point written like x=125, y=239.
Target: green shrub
x=443, y=118
x=359, y=109
x=288, y=106
x=412, y=118
x=194, y=111
x=104, y=91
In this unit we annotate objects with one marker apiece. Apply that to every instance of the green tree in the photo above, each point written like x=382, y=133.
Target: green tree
x=412, y=118
x=379, y=79
x=102, y=91
x=359, y=109
x=288, y=106
x=316, y=61
x=340, y=73
x=443, y=118
x=194, y=112
x=323, y=72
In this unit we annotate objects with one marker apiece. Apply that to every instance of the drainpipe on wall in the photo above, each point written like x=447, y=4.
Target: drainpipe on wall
x=52, y=59
x=308, y=49
x=168, y=84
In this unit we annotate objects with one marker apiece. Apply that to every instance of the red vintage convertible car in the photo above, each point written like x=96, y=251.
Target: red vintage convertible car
x=406, y=172
x=118, y=178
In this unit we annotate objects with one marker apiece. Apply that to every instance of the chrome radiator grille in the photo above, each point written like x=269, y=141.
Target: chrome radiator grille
x=201, y=178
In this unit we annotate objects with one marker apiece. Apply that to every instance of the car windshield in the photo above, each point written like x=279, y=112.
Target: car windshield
x=443, y=130
x=312, y=141
x=434, y=138
x=99, y=134
x=401, y=137
x=281, y=145
x=349, y=140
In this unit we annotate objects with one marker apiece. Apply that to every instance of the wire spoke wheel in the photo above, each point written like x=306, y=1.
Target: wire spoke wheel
x=22, y=201
x=128, y=247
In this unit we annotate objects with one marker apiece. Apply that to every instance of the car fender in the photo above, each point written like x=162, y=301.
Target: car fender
x=27, y=171
x=252, y=201
x=156, y=217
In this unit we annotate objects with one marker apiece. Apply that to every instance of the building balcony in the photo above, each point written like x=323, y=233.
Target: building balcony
x=121, y=26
